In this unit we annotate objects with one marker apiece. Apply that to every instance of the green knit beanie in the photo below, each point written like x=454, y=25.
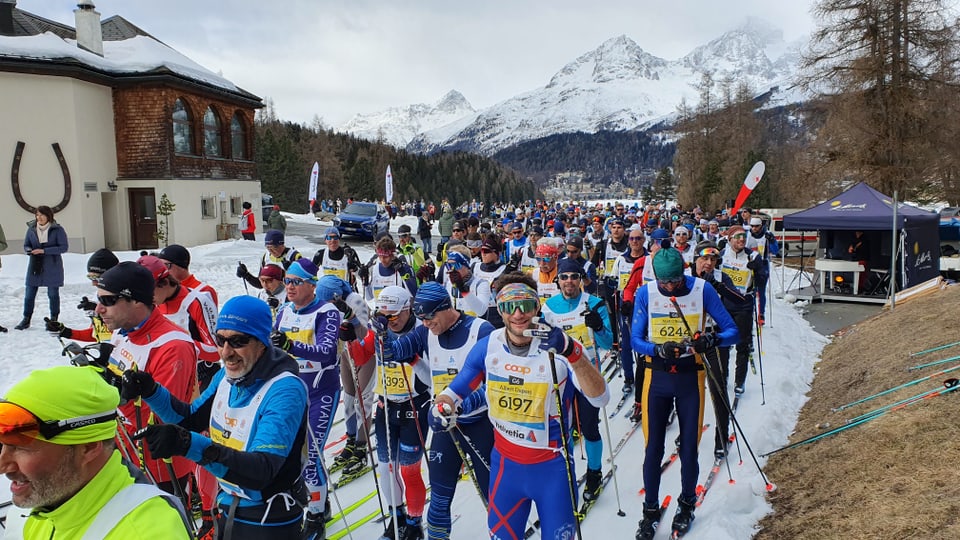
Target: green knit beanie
x=667, y=264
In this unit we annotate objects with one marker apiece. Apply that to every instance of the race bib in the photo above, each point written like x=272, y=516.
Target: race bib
x=518, y=403
x=393, y=380
x=666, y=327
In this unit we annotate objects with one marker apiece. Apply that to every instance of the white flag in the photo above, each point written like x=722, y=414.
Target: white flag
x=314, y=175
x=389, y=186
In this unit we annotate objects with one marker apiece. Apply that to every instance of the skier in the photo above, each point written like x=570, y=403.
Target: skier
x=277, y=253
x=273, y=291
x=390, y=270
x=177, y=260
x=765, y=244
x=145, y=338
x=545, y=274
x=256, y=412
x=99, y=262
x=583, y=317
x=742, y=264
x=620, y=271
x=708, y=258
x=338, y=259
x=674, y=376
x=530, y=462
x=308, y=329
x=403, y=390
x=445, y=338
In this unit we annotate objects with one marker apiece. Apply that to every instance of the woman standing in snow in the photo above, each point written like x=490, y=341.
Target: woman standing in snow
x=44, y=242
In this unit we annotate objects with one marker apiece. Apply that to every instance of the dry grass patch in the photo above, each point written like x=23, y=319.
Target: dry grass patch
x=896, y=477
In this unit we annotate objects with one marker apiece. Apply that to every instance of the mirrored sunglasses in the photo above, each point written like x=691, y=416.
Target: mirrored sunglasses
x=94, y=278
x=420, y=312
x=236, y=341
x=568, y=276
x=526, y=305
x=739, y=236
x=391, y=316
x=545, y=258
x=295, y=281
x=452, y=265
x=20, y=427
x=330, y=237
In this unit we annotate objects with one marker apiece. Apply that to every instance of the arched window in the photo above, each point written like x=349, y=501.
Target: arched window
x=238, y=137
x=211, y=134
x=182, y=128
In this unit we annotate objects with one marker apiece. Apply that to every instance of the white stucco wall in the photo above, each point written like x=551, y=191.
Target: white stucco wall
x=41, y=110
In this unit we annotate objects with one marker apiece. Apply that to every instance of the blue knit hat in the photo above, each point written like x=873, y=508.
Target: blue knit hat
x=330, y=287
x=248, y=315
x=305, y=269
x=431, y=298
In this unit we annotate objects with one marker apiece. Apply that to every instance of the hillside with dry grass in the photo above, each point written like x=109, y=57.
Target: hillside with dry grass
x=895, y=477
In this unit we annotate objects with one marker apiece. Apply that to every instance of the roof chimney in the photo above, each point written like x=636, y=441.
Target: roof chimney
x=6, y=17
x=89, y=34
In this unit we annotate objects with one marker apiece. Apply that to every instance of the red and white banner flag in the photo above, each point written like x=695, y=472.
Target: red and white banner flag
x=750, y=182
x=314, y=176
x=389, y=185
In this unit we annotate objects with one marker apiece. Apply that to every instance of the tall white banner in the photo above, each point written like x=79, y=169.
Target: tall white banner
x=314, y=175
x=389, y=186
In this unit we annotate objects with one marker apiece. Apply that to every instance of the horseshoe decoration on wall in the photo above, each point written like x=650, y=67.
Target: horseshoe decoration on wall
x=15, y=179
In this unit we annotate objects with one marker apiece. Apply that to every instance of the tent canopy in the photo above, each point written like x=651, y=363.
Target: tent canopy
x=859, y=208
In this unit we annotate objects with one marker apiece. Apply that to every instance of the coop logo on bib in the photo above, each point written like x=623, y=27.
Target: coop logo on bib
x=517, y=369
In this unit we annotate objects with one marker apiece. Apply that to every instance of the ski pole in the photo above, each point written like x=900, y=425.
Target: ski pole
x=940, y=348
x=326, y=474
x=902, y=403
x=948, y=386
x=392, y=467
x=613, y=463
x=770, y=486
x=895, y=388
x=363, y=414
x=763, y=393
x=246, y=287
x=571, y=481
x=936, y=363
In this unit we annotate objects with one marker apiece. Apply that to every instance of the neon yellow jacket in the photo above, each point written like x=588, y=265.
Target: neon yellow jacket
x=154, y=519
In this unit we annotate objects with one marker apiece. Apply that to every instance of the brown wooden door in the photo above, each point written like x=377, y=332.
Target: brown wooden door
x=143, y=218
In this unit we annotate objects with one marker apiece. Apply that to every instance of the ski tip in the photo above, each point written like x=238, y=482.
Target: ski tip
x=666, y=501
x=731, y=481
x=771, y=487
x=700, y=489
x=642, y=490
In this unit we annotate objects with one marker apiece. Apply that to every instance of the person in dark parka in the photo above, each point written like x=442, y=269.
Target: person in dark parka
x=45, y=243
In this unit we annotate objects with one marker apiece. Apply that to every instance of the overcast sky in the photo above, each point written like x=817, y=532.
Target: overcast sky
x=336, y=58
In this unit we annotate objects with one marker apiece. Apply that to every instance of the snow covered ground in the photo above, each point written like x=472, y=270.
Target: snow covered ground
x=731, y=511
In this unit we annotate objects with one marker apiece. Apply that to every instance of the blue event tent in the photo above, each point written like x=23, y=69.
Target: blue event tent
x=862, y=208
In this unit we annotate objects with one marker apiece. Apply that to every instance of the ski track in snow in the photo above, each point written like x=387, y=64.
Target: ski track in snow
x=730, y=511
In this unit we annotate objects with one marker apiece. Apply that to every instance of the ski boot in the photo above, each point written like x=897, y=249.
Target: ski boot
x=400, y=515
x=345, y=456
x=411, y=529
x=651, y=519
x=357, y=460
x=628, y=386
x=592, y=484
x=684, y=516
x=207, y=530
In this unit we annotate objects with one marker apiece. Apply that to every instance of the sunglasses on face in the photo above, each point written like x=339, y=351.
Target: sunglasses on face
x=420, y=312
x=739, y=236
x=94, y=278
x=391, y=316
x=527, y=305
x=568, y=276
x=635, y=238
x=109, y=300
x=486, y=251
x=451, y=266
x=404, y=235
x=295, y=281
x=236, y=341
x=573, y=251
x=544, y=259
x=20, y=427
x=670, y=284
x=330, y=238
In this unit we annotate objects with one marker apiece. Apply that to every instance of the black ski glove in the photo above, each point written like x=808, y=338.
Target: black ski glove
x=593, y=320
x=86, y=305
x=705, y=342
x=242, y=271
x=165, y=440
x=626, y=308
x=669, y=350
x=137, y=384
x=57, y=328
x=755, y=263
x=280, y=339
x=397, y=265
x=273, y=303
x=709, y=277
x=364, y=273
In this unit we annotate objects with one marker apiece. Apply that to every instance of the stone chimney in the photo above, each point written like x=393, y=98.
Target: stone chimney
x=6, y=17
x=89, y=34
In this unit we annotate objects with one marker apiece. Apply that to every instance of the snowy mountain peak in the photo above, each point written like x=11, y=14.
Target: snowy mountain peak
x=617, y=58
x=398, y=125
x=746, y=51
